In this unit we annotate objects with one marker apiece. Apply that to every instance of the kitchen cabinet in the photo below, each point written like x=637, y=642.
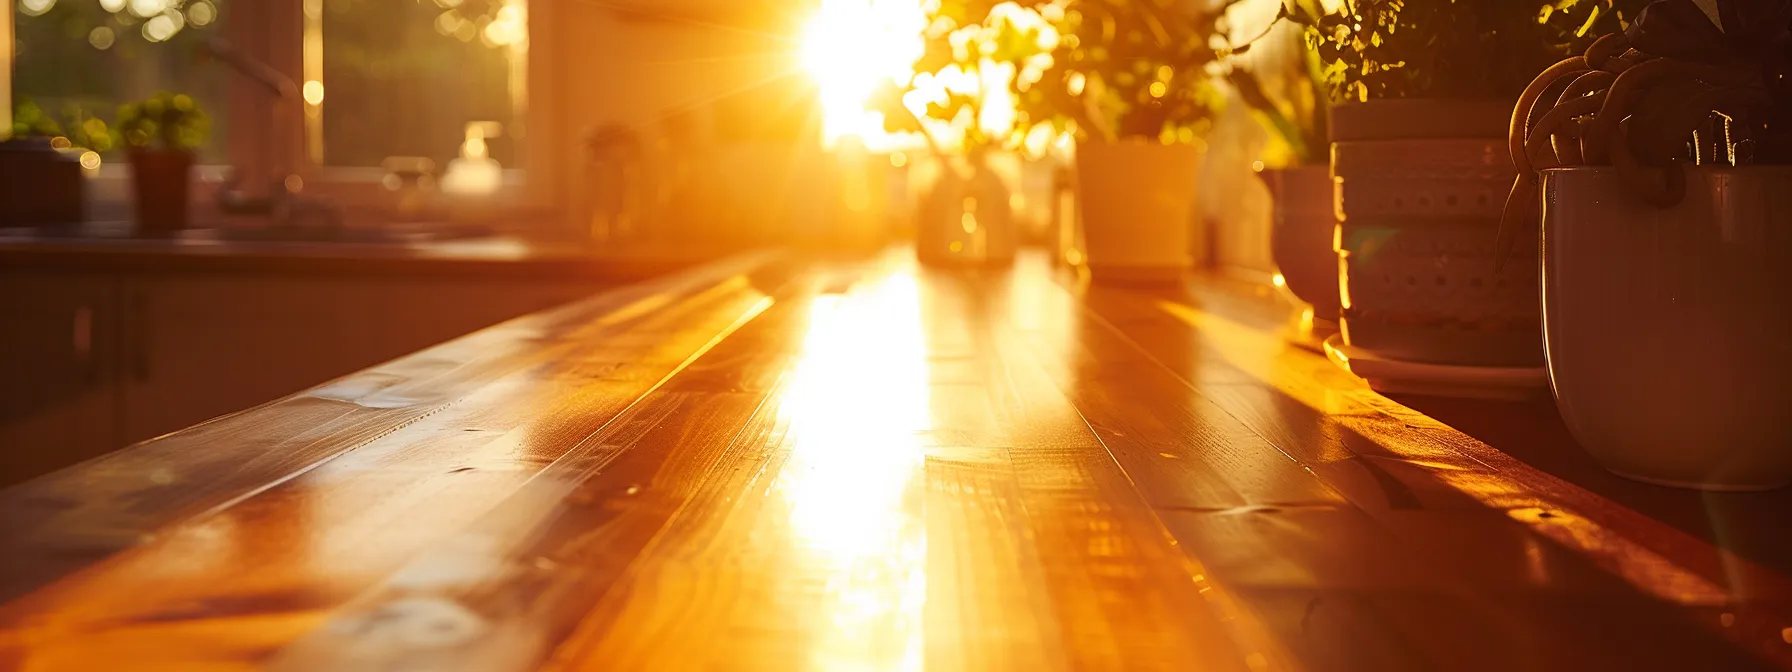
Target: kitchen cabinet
x=203, y=346
x=93, y=362
x=58, y=346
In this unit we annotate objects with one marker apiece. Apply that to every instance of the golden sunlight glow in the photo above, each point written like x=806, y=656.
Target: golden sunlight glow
x=855, y=407
x=314, y=92
x=850, y=48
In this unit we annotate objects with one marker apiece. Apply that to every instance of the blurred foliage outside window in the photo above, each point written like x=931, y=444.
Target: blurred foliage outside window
x=78, y=60
x=405, y=77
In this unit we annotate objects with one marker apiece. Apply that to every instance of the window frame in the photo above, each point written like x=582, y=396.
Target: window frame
x=291, y=40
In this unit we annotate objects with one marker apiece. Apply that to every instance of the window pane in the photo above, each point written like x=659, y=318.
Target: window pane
x=405, y=77
x=78, y=58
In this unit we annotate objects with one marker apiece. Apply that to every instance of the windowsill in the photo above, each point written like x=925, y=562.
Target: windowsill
x=359, y=191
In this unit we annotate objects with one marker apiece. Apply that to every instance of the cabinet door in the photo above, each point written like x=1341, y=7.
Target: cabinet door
x=423, y=312
x=202, y=346
x=57, y=399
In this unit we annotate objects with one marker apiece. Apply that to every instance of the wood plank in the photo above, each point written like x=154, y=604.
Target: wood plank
x=862, y=465
x=812, y=555
x=1453, y=472
x=1129, y=597
x=331, y=530
x=507, y=589
x=54, y=524
x=773, y=564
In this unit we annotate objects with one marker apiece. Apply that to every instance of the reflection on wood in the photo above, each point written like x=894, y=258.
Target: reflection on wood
x=860, y=465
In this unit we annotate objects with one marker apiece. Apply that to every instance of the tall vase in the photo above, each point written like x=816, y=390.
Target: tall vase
x=965, y=218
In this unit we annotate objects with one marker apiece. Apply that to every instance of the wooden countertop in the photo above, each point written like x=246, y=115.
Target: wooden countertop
x=108, y=249
x=768, y=463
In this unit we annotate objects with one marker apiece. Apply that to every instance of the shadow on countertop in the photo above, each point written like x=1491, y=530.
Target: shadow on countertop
x=1752, y=525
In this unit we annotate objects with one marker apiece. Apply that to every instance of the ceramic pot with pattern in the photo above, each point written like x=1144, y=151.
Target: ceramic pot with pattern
x=1420, y=185
x=1138, y=204
x=1669, y=330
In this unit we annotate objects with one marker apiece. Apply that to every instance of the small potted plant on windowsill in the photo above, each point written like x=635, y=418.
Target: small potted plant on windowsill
x=40, y=182
x=1135, y=83
x=1423, y=92
x=1661, y=160
x=162, y=134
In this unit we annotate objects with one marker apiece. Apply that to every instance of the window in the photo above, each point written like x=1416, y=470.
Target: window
x=405, y=78
x=79, y=60
x=367, y=80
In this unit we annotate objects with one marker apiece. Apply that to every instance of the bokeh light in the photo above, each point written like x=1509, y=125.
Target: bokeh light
x=158, y=29
x=509, y=27
x=314, y=92
x=202, y=13
x=102, y=37
x=35, y=7
x=144, y=9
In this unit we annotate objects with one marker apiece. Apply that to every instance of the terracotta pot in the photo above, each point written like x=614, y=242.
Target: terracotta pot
x=1668, y=329
x=1302, y=236
x=1138, y=202
x=162, y=180
x=1420, y=188
x=965, y=219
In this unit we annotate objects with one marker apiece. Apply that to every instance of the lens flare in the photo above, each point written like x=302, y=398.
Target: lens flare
x=851, y=47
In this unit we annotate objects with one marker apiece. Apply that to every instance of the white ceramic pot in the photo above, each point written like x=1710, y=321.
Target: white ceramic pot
x=1420, y=185
x=1138, y=201
x=1669, y=331
x=1302, y=235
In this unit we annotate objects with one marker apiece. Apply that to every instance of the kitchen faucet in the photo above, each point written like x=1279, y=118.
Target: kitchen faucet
x=284, y=202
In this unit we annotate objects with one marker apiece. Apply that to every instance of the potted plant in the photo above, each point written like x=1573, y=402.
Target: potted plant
x=974, y=51
x=40, y=182
x=1286, y=91
x=1135, y=83
x=1424, y=91
x=1661, y=160
x=162, y=134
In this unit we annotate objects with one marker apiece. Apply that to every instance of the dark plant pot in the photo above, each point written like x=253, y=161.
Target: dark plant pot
x=1301, y=238
x=1420, y=188
x=162, y=180
x=1668, y=327
x=39, y=185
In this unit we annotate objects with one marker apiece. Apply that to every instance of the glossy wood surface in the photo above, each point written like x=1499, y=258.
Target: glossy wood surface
x=771, y=463
x=496, y=256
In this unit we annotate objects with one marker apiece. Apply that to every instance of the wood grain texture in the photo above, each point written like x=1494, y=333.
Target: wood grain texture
x=57, y=523
x=114, y=250
x=866, y=465
x=513, y=583
x=1403, y=469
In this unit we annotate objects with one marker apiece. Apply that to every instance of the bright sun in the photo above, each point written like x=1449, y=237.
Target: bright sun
x=852, y=46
